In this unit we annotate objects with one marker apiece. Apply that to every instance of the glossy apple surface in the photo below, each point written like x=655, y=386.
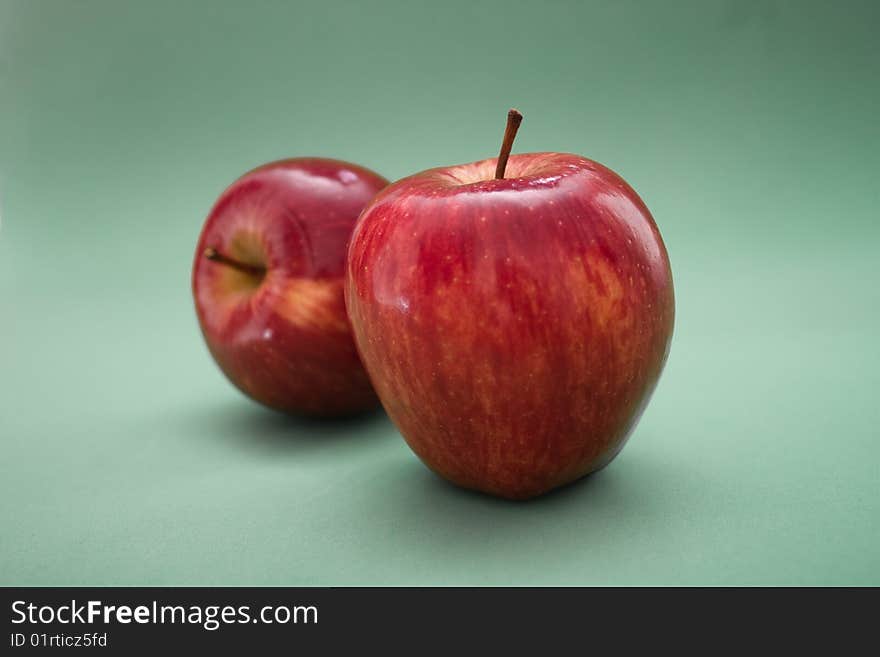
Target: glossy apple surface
x=271, y=305
x=514, y=329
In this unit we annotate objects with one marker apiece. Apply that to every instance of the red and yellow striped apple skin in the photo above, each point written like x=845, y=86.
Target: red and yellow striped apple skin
x=285, y=341
x=514, y=329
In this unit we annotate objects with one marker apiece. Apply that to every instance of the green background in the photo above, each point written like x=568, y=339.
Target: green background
x=749, y=128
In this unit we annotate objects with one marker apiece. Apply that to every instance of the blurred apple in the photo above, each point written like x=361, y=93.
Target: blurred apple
x=268, y=285
x=514, y=316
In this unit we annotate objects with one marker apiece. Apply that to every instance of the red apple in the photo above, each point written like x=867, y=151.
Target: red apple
x=268, y=285
x=515, y=326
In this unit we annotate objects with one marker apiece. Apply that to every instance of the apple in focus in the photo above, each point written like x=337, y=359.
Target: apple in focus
x=513, y=327
x=267, y=282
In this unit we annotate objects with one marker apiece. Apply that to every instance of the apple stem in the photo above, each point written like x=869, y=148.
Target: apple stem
x=514, y=118
x=216, y=256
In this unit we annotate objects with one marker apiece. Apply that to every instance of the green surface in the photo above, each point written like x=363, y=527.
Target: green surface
x=749, y=128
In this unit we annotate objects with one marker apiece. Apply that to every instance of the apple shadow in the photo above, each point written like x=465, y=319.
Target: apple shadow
x=436, y=489
x=264, y=432
x=483, y=539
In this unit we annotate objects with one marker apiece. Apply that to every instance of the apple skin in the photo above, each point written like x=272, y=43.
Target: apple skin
x=284, y=338
x=514, y=329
